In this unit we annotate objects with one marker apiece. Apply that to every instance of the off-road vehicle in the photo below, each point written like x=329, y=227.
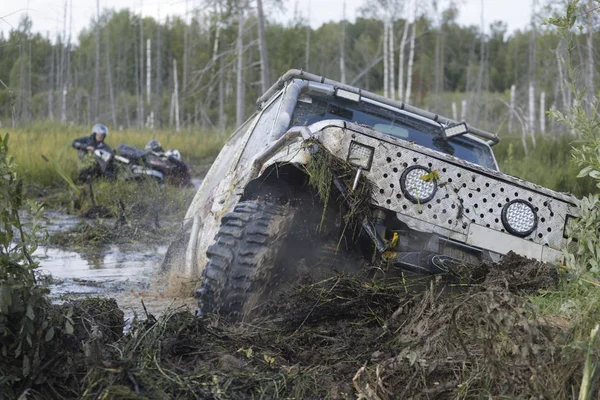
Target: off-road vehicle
x=327, y=178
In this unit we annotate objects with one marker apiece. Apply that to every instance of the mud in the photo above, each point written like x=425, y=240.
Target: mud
x=346, y=338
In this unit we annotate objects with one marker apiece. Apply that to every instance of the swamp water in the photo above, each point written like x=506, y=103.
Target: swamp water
x=127, y=272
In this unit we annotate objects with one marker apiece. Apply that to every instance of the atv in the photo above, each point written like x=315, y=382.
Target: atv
x=327, y=178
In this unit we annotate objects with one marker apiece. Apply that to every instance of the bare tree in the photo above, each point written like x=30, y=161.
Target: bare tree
x=265, y=73
x=240, y=84
x=140, y=71
x=543, y=113
x=590, y=52
x=97, y=68
x=511, y=108
x=386, y=59
x=401, y=61
x=307, y=50
x=109, y=80
x=411, y=59
x=391, y=53
x=343, y=46
x=51, y=83
x=175, y=95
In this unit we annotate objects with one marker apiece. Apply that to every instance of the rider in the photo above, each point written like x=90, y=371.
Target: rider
x=88, y=144
x=88, y=166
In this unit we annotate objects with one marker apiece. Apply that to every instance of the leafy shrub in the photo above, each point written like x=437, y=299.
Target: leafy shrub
x=24, y=322
x=584, y=120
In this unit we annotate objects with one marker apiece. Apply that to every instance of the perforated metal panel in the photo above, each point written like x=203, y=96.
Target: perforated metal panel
x=466, y=194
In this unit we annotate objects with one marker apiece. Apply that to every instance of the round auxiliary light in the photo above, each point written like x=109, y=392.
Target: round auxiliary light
x=418, y=184
x=519, y=218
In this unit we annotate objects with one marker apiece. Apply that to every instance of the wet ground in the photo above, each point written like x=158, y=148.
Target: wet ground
x=127, y=272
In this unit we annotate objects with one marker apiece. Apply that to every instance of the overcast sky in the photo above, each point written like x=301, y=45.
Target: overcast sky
x=47, y=15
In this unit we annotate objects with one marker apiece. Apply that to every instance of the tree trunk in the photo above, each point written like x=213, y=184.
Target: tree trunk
x=96, y=103
x=51, y=85
x=158, y=76
x=543, y=113
x=307, y=49
x=411, y=59
x=590, y=50
x=140, y=71
x=265, y=73
x=386, y=60
x=511, y=109
x=454, y=111
x=109, y=81
x=240, y=88
x=186, y=45
x=531, y=119
x=343, y=47
x=391, y=83
x=148, y=71
x=401, y=62
x=561, y=79
x=176, y=95
x=222, y=95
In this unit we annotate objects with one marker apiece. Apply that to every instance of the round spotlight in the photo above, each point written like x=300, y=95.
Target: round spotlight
x=519, y=218
x=415, y=185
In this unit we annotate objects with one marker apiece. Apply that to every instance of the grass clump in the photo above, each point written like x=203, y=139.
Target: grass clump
x=42, y=150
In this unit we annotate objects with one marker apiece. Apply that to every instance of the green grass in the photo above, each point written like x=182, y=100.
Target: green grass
x=549, y=163
x=33, y=144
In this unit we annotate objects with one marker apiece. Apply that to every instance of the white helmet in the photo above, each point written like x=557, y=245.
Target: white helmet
x=100, y=128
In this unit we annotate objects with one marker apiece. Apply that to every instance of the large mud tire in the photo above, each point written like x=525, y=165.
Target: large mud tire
x=243, y=264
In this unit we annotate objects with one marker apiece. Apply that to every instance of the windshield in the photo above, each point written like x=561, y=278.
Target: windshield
x=311, y=109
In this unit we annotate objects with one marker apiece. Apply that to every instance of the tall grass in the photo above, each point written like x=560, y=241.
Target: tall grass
x=41, y=148
x=549, y=163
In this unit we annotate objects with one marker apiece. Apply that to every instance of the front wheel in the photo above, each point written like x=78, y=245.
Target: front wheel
x=260, y=247
x=243, y=263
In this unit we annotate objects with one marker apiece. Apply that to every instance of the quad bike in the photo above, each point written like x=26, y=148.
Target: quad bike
x=326, y=177
x=153, y=161
x=110, y=165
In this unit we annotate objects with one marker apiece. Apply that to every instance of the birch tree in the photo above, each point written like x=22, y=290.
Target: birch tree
x=590, y=53
x=343, y=46
x=401, y=61
x=265, y=73
x=97, y=68
x=411, y=60
x=240, y=84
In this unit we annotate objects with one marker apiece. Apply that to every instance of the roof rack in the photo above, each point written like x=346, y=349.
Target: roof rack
x=298, y=73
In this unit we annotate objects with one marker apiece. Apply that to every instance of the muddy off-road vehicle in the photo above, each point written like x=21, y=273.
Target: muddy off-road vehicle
x=328, y=178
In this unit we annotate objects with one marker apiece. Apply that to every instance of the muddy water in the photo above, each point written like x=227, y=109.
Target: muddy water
x=128, y=273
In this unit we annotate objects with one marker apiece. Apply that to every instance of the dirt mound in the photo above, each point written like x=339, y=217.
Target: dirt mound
x=520, y=275
x=346, y=337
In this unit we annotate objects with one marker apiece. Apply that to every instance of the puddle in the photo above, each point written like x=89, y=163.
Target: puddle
x=129, y=273
x=114, y=269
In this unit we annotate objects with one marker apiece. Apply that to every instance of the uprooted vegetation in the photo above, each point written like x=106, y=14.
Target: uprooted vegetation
x=411, y=337
x=125, y=212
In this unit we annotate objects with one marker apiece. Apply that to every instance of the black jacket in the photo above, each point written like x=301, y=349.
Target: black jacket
x=83, y=142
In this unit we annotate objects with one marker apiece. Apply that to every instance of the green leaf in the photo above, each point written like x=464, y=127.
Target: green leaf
x=68, y=327
x=49, y=334
x=30, y=314
x=26, y=366
x=585, y=171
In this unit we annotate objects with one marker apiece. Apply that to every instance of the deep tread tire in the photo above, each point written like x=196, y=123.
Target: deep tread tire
x=243, y=261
